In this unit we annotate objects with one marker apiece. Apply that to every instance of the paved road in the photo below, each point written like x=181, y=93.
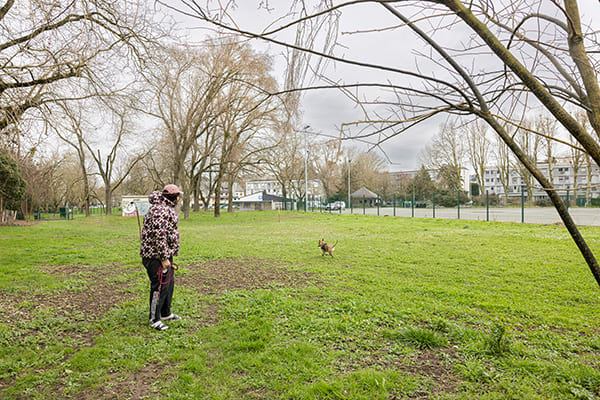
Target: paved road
x=547, y=215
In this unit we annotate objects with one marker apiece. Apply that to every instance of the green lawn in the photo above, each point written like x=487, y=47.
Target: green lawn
x=408, y=308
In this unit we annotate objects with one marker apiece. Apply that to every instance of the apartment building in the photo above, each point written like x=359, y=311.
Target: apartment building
x=563, y=178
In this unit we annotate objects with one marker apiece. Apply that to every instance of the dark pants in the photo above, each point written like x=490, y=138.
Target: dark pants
x=160, y=305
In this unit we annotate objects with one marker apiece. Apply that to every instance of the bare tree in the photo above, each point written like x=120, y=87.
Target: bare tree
x=531, y=145
x=246, y=109
x=547, y=125
x=504, y=164
x=185, y=90
x=45, y=186
x=285, y=161
x=113, y=158
x=447, y=154
x=326, y=164
x=479, y=149
x=368, y=170
x=74, y=134
x=43, y=45
x=530, y=48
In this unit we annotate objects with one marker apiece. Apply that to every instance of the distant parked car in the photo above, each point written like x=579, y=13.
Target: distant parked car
x=336, y=205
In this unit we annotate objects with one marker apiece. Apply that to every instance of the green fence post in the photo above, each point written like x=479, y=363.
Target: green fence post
x=522, y=204
x=487, y=206
x=412, y=204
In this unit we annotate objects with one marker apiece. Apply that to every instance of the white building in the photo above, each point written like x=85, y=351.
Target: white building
x=273, y=187
x=260, y=201
x=563, y=177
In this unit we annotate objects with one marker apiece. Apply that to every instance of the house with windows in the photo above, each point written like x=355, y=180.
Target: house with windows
x=259, y=201
x=273, y=187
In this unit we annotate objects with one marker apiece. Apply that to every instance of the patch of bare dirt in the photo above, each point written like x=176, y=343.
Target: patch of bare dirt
x=218, y=276
x=435, y=365
x=144, y=383
x=19, y=222
x=432, y=364
x=91, y=301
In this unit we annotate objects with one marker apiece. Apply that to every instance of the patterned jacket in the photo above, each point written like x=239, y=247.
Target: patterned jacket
x=160, y=235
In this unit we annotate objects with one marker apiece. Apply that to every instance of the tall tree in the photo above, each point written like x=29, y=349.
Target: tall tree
x=185, y=89
x=447, y=154
x=115, y=154
x=368, y=170
x=44, y=45
x=74, y=134
x=327, y=156
x=531, y=145
x=246, y=109
x=504, y=164
x=285, y=160
x=547, y=126
x=479, y=150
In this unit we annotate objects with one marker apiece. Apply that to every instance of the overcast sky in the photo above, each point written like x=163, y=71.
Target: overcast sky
x=326, y=110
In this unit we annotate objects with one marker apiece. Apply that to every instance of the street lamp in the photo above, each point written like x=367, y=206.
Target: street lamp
x=349, y=161
x=305, y=168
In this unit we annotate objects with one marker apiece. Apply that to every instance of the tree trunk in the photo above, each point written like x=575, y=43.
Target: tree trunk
x=217, y=211
x=230, y=194
x=185, y=206
x=108, y=199
x=196, y=190
x=86, y=193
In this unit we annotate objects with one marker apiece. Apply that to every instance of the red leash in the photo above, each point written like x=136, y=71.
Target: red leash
x=170, y=275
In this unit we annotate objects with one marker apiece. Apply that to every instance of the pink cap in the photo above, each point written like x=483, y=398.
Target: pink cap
x=171, y=189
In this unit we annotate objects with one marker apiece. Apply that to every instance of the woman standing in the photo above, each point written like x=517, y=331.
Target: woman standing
x=159, y=243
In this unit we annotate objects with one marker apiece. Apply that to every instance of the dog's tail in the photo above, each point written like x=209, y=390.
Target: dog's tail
x=335, y=244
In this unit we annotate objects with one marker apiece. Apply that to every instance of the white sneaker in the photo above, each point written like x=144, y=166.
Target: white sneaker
x=171, y=316
x=159, y=326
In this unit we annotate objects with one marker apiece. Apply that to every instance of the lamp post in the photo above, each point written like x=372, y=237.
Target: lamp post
x=305, y=170
x=349, y=161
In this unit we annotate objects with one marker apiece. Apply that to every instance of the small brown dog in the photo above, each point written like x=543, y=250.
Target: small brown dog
x=326, y=247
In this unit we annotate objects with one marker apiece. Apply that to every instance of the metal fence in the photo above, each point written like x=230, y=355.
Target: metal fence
x=485, y=208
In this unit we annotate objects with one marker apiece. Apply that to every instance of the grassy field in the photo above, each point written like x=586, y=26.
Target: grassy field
x=408, y=308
